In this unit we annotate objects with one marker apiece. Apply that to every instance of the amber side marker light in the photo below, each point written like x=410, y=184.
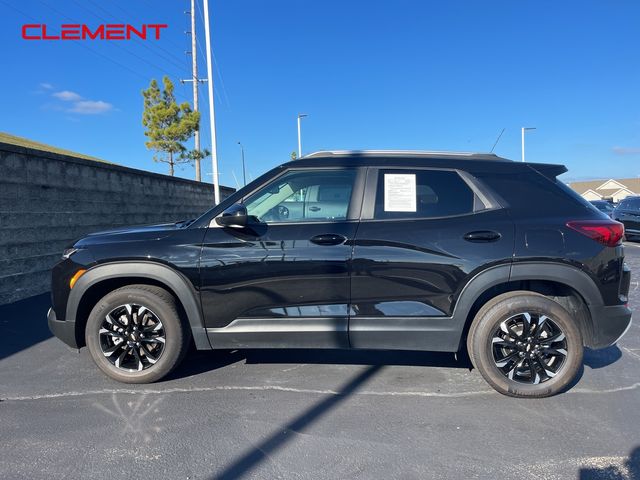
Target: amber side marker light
x=75, y=278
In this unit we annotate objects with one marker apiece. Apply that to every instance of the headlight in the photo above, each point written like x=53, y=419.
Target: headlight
x=68, y=252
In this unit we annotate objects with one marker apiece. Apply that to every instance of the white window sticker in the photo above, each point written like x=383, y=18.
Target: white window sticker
x=399, y=192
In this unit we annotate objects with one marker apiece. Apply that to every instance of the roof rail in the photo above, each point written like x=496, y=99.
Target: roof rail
x=412, y=153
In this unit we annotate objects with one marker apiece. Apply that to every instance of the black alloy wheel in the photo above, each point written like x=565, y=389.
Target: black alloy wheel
x=525, y=344
x=529, y=348
x=132, y=337
x=136, y=335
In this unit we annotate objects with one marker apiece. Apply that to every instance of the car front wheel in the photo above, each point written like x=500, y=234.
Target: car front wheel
x=525, y=345
x=135, y=335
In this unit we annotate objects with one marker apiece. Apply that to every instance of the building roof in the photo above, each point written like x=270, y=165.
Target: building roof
x=631, y=184
x=608, y=192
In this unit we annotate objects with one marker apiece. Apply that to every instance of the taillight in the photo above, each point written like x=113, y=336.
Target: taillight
x=606, y=232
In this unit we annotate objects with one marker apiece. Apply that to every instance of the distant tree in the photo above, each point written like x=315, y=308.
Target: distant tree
x=169, y=125
x=294, y=155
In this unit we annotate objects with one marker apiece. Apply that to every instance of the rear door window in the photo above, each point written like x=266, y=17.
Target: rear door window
x=422, y=194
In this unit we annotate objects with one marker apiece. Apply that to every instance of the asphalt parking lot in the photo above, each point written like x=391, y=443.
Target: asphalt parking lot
x=306, y=414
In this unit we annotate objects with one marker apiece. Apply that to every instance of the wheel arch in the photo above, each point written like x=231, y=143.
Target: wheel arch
x=570, y=287
x=104, y=278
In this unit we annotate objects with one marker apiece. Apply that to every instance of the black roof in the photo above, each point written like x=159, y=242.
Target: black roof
x=405, y=154
x=390, y=158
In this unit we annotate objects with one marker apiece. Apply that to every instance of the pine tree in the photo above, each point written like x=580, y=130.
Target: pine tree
x=169, y=125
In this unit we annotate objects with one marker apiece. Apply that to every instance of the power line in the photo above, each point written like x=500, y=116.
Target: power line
x=117, y=44
x=135, y=72
x=156, y=49
x=216, y=65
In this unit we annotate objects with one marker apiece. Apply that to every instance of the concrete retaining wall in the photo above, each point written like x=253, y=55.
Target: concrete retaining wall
x=48, y=200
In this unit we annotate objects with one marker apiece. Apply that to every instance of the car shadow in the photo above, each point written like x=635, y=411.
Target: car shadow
x=23, y=324
x=601, y=358
x=198, y=362
x=205, y=361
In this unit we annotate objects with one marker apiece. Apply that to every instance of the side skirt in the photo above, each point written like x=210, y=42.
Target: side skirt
x=437, y=334
x=303, y=332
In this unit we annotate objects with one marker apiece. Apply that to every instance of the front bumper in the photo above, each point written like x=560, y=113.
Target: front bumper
x=609, y=325
x=65, y=330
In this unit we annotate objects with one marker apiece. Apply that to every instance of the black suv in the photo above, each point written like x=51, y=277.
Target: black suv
x=628, y=213
x=363, y=250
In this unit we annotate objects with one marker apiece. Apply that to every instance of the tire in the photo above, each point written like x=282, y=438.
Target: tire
x=135, y=334
x=525, y=365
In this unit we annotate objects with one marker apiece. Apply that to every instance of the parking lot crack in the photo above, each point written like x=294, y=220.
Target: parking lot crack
x=276, y=388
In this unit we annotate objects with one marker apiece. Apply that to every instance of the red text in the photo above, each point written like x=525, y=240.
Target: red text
x=79, y=31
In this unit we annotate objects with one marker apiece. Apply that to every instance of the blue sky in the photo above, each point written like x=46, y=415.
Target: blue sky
x=370, y=74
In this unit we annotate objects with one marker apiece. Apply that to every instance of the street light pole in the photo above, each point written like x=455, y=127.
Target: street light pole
x=212, y=116
x=244, y=174
x=300, y=116
x=194, y=68
x=523, y=130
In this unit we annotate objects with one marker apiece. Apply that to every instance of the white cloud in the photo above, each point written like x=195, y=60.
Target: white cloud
x=90, y=107
x=626, y=150
x=75, y=103
x=67, y=96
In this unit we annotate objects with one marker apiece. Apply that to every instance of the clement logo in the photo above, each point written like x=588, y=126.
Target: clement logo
x=80, y=31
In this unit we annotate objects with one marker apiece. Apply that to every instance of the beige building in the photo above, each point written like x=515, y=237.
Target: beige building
x=612, y=189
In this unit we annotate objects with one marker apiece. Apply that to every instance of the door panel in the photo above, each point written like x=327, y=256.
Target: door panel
x=275, y=287
x=283, y=281
x=408, y=273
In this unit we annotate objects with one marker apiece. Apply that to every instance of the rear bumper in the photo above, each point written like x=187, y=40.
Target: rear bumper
x=65, y=330
x=610, y=324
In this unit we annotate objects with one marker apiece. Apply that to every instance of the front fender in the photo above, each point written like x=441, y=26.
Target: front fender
x=173, y=280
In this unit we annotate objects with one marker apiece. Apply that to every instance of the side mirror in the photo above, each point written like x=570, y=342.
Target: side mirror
x=234, y=216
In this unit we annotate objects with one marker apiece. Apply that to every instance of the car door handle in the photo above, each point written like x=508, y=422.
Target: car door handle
x=482, y=236
x=314, y=209
x=328, y=239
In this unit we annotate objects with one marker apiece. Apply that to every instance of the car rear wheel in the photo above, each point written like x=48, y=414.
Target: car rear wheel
x=135, y=335
x=525, y=345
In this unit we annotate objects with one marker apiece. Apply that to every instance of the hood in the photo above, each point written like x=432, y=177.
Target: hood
x=130, y=234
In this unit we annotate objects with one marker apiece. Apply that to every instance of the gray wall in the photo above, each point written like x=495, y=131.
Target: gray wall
x=48, y=200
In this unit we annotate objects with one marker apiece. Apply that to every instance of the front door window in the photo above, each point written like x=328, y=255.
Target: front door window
x=309, y=196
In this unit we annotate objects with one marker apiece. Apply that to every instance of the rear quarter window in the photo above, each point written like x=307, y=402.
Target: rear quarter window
x=533, y=193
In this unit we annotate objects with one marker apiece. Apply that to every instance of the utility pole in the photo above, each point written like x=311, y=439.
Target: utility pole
x=212, y=115
x=524, y=129
x=195, y=80
x=300, y=116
